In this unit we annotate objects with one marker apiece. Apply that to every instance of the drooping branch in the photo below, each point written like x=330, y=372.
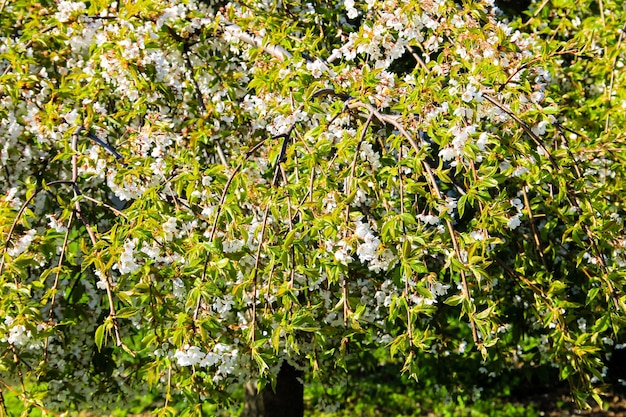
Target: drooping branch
x=571, y=195
x=393, y=120
x=59, y=265
x=92, y=236
x=536, y=139
x=18, y=216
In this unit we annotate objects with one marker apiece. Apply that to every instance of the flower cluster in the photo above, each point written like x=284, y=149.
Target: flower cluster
x=222, y=357
x=22, y=243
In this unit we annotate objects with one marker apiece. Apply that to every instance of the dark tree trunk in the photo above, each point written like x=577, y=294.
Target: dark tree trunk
x=287, y=401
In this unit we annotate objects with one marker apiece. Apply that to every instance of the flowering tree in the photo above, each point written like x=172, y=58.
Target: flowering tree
x=194, y=195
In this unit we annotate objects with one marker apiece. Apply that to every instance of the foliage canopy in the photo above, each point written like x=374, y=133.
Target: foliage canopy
x=194, y=193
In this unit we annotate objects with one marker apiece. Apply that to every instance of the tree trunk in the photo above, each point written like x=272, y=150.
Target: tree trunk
x=286, y=401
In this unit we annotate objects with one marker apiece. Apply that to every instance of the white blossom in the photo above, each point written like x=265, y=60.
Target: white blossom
x=316, y=68
x=19, y=336
x=169, y=227
x=66, y=8
x=540, y=128
x=22, y=243
x=514, y=222
x=127, y=263
x=189, y=356
x=178, y=288
x=55, y=224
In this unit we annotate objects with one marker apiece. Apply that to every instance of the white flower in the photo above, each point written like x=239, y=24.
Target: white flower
x=382, y=262
x=127, y=264
x=359, y=199
x=519, y=171
x=11, y=199
x=223, y=306
x=438, y=289
x=482, y=141
x=102, y=280
x=340, y=250
x=71, y=117
x=363, y=230
x=367, y=250
x=189, y=356
x=428, y=219
x=153, y=251
x=329, y=203
x=66, y=8
x=472, y=93
x=55, y=224
x=353, y=13
x=517, y=203
x=448, y=154
x=537, y=96
x=178, y=287
x=367, y=153
x=231, y=246
x=18, y=336
x=169, y=227
x=479, y=234
x=22, y=244
x=514, y=222
x=316, y=67
x=540, y=128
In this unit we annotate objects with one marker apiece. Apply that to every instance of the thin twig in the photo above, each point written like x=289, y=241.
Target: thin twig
x=541, y=6
x=419, y=60
x=23, y=398
x=103, y=204
x=92, y=236
x=344, y=289
x=292, y=250
x=17, y=219
x=219, y=211
x=200, y=98
x=406, y=275
x=59, y=265
x=570, y=195
x=607, y=125
x=534, y=229
x=110, y=149
x=355, y=159
x=601, y=4
x=3, y=405
x=256, y=273
x=524, y=126
x=227, y=186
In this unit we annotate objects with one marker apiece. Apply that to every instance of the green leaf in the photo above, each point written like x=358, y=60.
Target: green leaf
x=289, y=239
x=99, y=335
x=127, y=312
x=454, y=300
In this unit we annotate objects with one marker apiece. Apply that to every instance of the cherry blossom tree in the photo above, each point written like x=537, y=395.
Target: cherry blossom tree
x=196, y=196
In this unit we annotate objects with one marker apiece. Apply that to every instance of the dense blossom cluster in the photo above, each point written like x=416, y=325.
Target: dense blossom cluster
x=221, y=191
